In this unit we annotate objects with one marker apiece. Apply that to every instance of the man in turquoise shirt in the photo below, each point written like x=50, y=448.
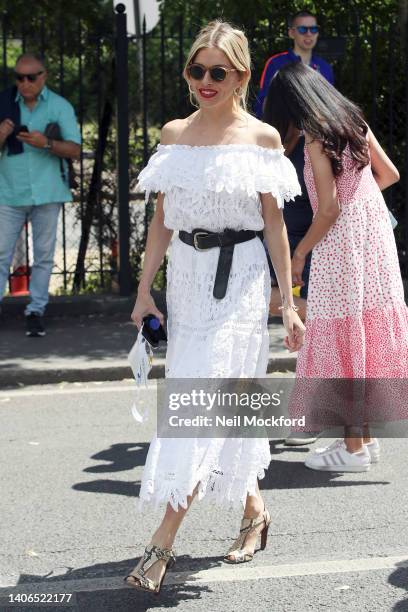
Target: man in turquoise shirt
x=31, y=182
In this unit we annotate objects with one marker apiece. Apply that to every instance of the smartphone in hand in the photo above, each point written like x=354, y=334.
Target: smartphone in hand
x=21, y=128
x=153, y=330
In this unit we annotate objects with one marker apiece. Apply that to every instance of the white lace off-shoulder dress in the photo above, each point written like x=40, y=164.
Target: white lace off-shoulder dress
x=213, y=188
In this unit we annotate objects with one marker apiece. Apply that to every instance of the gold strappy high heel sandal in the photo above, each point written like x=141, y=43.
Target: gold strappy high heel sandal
x=137, y=577
x=236, y=553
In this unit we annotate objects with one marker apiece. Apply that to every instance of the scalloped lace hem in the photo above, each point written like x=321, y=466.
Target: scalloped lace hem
x=214, y=487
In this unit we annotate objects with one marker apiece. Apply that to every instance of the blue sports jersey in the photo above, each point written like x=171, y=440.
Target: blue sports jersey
x=276, y=62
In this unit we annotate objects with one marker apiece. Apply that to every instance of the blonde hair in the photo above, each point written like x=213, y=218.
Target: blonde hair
x=233, y=42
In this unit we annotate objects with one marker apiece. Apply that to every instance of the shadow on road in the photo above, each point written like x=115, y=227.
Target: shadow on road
x=116, y=458
x=120, y=457
x=117, y=598
x=399, y=578
x=280, y=475
x=295, y=475
x=112, y=487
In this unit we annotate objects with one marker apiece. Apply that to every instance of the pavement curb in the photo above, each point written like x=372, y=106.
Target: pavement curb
x=81, y=305
x=15, y=378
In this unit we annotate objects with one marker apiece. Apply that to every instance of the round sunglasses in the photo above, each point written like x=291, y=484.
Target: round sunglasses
x=217, y=73
x=30, y=77
x=303, y=29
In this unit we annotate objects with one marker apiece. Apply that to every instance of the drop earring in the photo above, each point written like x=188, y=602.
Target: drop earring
x=192, y=97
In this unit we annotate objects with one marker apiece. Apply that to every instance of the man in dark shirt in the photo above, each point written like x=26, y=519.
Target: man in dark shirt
x=304, y=31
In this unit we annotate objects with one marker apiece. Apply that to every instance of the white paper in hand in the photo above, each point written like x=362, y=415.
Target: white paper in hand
x=140, y=360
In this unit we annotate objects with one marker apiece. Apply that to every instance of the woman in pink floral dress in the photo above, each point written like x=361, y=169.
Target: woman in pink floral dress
x=357, y=319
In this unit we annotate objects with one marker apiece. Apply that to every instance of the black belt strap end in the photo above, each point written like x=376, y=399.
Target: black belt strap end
x=223, y=271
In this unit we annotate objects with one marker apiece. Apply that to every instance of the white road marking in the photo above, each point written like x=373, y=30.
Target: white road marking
x=77, y=388
x=9, y=584
x=16, y=393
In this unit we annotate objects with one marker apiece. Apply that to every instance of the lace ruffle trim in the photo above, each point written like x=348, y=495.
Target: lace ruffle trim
x=214, y=487
x=221, y=168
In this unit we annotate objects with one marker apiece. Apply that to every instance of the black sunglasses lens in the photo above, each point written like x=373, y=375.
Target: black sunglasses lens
x=30, y=77
x=311, y=29
x=218, y=73
x=196, y=72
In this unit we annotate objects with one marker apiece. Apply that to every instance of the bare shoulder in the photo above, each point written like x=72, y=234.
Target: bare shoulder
x=314, y=146
x=266, y=135
x=370, y=137
x=171, y=131
x=320, y=161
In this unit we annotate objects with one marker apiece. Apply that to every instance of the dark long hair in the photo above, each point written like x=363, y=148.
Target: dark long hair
x=300, y=96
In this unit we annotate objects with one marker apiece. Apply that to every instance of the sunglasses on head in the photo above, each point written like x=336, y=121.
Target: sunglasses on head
x=30, y=77
x=303, y=29
x=217, y=73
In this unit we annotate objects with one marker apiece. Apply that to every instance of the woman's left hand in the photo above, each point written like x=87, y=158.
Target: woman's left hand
x=295, y=328
x=298, y=263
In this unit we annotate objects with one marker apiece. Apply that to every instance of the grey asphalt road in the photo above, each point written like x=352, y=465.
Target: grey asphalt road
x=71, y=460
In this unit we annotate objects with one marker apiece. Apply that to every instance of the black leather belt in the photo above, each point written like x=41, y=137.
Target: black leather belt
x=202, y=240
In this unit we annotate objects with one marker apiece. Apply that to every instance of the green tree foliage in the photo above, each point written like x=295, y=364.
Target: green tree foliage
x=371, y=71
x=77, y=38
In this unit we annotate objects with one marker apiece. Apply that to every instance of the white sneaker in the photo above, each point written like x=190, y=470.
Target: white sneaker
x=336, y=458
x=299, y=438
x=373, y=448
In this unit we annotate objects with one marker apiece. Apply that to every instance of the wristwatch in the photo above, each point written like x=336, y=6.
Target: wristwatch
x=48, y=144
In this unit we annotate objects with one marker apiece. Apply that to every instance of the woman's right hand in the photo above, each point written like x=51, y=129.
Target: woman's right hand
x=295, y=328
x=144, y=306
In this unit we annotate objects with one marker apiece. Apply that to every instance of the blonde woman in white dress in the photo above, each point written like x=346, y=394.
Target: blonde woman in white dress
x=218, y=168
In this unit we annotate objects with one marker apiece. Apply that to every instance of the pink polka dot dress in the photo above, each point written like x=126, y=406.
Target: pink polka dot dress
x=357, y=319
